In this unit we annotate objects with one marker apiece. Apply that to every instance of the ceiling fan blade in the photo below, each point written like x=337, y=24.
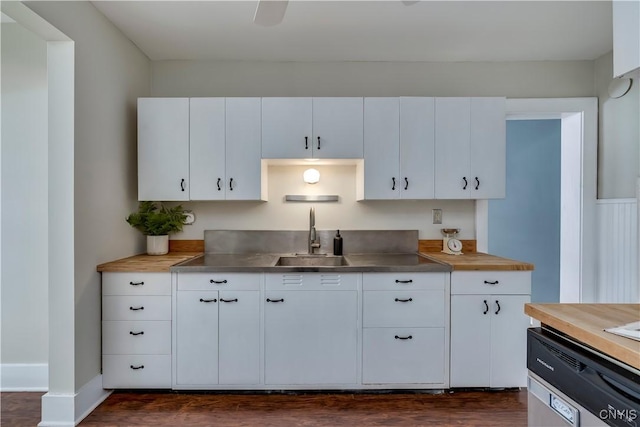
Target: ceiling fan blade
x=270, y=12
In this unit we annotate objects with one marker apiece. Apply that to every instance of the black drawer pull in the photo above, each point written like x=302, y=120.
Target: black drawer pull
x=498, y=304
x=465, y=182
x=318, y=143
x=136, y=283
x=136, y=367
x=136, y=308
x=228, y=300
x=404, y=300
x=410, y=337
x=488, y=282
x=208, y=300
x=406, y=183
x=275, y=300
x=182, y=184
x=404, y=281
x=218, y=184
x=477, y=183
x=218, y=282
x=393, y=180
x=486, y=307
x=306, y=142
x=136, y=333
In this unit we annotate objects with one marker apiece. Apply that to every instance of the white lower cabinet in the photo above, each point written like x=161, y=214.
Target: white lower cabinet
x=311, y=333
x=488, y=329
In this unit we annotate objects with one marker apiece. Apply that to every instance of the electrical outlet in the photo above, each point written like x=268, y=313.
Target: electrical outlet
x=437, y=216
x=190, y=217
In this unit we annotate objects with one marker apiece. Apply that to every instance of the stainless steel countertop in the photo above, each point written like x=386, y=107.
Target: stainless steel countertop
x=266, y=263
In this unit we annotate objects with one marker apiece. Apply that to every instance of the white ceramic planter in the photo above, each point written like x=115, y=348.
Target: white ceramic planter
x=157, y=245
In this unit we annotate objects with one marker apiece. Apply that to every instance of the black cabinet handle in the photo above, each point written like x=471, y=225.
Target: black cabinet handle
x=486, y=307
x=404, y=300
x=228, y=300
x=393, y=180
x=230, y=184
x=306, y=142
x=488, y=282
x=409, y=337
x=404, y=281
x=218, y=184
x=136, y=283
x=477, y=183
x=136, y=367
x=182, y=184
x=208, y=300
x=136, y=333
x=136, y=308
x=275, y=300
x=318, y=143
x=218, y=282
x=464, y=178
x=498, y=304
x=406, y=183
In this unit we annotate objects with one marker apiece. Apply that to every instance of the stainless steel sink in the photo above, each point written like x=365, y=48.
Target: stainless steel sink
x=311, y=261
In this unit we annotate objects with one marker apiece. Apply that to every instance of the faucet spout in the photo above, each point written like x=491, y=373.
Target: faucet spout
x=313, y=238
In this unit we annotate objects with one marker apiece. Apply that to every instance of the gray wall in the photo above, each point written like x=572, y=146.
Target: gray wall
x=110, y=74
x=24, y=197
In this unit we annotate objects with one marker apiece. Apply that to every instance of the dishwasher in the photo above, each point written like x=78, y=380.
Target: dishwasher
x=570, y=384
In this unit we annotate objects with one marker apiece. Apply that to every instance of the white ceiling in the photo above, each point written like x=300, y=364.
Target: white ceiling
x=368, y=30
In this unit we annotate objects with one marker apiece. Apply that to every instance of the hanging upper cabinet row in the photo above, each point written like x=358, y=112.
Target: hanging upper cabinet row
x=413, y=147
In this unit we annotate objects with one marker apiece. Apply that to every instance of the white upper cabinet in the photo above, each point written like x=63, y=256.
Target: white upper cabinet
x=225, y=151
x=626, y=38
x=470, y=148
x=304, y=128
x=399, y=144
x=163, y=149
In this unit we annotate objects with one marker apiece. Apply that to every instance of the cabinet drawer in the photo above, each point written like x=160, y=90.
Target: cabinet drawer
x=403, y=308
x=218, y=281
x=417, y=359
x=136, y=337
x=313, y=281
x=136, y=283
x=402, y=281
x=491, y=282
x=136, y=307
x=136, y=371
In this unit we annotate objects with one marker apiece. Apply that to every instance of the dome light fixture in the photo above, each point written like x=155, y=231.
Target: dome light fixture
x=311, y=176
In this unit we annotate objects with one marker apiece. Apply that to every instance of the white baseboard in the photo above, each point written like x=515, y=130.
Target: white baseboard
x=68, y=410
x=24, y=377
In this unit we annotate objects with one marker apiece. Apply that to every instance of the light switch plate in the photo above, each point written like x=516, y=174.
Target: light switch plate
x=437, y=216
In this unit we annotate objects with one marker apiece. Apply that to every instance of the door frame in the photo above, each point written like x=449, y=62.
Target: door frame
x=579, y=171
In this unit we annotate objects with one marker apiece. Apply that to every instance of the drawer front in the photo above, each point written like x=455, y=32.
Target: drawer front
x=136, y=371
x=136, y=337
x=490, y=282
x=313, y=281
x=419, y=358
x=403, y=309
x=219, y=281
x=136, y=307
x=136, y=283
x=403, y=281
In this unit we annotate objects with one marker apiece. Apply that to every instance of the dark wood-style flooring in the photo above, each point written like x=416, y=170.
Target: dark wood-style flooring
x=460, y=408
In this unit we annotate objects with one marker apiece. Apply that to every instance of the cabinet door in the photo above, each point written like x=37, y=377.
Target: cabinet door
x=381, y=148
x=163, y=149
x=470, y=341
x=488, y=148
x=337, y=128
x=239, y=337
x=509, y=340
x=286, y=127
x=626, y=38
x=196, y=337
x=452, y=155
x=243, y=149
x=417, y=139
x=311, y=337
x=207, y=148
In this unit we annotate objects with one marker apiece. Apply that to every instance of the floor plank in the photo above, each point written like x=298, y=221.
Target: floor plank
x=460, y=408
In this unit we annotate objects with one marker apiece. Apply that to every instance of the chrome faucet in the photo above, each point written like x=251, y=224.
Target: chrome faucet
x=314, y=242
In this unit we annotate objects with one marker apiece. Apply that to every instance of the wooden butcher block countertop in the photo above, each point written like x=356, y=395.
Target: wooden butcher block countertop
x=478, y=261
x=147, y=263
x=586, y=323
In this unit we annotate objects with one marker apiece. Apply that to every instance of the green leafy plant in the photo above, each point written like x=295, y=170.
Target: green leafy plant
x=154, y=220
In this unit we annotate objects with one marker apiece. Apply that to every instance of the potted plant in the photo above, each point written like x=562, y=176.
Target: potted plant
x=157, y=222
